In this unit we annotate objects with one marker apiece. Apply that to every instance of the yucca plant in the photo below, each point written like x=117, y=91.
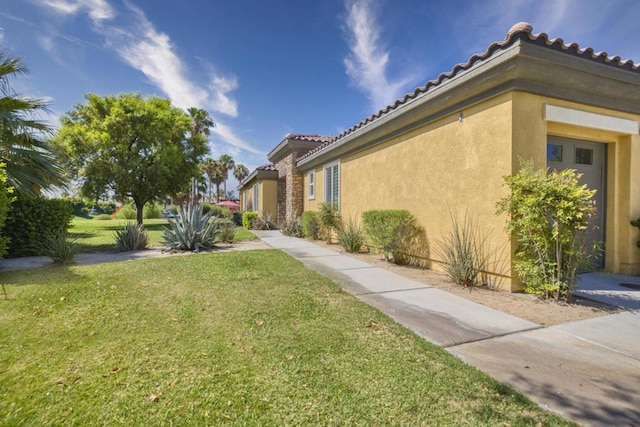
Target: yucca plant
x=226, y=232
x=464, y=252
x=60, y=248
x=191, y=230
x=350, y=235
x=131, y=237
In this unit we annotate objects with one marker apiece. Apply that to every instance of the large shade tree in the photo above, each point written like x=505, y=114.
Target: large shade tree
x=29, y=160
x=132, y=147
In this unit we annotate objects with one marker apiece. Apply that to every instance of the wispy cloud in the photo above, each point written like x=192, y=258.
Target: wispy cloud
x=140, y=45
x=366, y=64
x=98, y=10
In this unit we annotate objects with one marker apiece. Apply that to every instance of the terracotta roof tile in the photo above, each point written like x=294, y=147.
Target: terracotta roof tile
x=267, y=167
x=310, y=138
x=520, y=31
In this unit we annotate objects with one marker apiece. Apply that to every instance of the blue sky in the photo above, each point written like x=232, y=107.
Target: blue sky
x=267, y=68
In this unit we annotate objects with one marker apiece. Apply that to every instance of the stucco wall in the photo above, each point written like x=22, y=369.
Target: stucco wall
x=313, y=204
x=452, y=166
x=268, y=197
x=444, y=168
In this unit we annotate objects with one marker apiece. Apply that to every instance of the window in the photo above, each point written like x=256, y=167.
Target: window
x=255, y=198
x=332, y=183
x=311, y=177
x=584, y=156
x=554, y=153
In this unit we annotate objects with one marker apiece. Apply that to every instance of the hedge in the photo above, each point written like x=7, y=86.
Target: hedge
x=32, y=218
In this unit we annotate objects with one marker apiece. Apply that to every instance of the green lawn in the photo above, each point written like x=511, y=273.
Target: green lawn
x=237, y=338
x=94, y=235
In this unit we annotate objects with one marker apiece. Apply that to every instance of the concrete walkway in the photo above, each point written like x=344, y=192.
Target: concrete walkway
x=588, y=371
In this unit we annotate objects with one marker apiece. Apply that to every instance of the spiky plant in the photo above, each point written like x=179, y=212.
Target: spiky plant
x=131, y=237
x=350, y=235
x=60, y=248
x=191, y=230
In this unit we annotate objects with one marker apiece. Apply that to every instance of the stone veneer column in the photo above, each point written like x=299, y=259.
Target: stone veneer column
x=289, y=197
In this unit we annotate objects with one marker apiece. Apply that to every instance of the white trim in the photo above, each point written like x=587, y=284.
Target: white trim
x=311, y=184
x=326, y=176
x=553, y=113
x=256, y=191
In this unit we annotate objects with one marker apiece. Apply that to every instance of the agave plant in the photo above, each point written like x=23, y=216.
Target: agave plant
x=131, y=237
x=191, y=230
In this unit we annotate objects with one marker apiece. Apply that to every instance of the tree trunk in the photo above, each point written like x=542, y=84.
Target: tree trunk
x=217, y=193
x=139, y=210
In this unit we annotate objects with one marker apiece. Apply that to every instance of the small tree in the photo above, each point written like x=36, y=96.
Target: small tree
x=549, y=215
x=132, y=147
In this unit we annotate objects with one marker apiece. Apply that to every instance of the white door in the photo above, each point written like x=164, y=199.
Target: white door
x=589, y=159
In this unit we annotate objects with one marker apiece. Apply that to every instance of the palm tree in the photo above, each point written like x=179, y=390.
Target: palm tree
x=208, y=167
x=29, y=160
x=240, y=172
x=217, y=178
x=201, y=121
x=226, y=163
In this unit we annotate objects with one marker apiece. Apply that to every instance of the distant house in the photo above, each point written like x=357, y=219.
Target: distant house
x=258, y=191
x=447, y=146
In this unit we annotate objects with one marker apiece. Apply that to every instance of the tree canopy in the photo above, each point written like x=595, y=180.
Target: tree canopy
x=130, y=147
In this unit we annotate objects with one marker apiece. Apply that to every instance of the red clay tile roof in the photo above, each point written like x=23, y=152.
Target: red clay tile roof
x=267, y=167
x=310, y=138
x=520, y=31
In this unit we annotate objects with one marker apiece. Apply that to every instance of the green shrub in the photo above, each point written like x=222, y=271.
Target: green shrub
x=32, y=218
x=77, y=205
x=247, y=219
x=310, y=225
x=59, y=247
x=392, y=231
x=549, y=215
x=220, y=212
x=227, y=231
x=464, y=250
x=350, y=235
x=107, y=207
x=191, y=230
x=131, y=237
x=151, y=210
x=127, y=212
x=292, y=228
x=5, y=207
x=236, y=218
x=636, y=223
x=206, y=207
x=103, y=217
x=328, y=220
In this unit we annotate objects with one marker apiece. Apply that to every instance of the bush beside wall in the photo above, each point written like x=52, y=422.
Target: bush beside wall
x=248, y=218
x=392, y=231
x=310, y=225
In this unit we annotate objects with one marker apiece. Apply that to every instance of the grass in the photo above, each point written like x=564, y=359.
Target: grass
x=236, y=338
x=94, y=235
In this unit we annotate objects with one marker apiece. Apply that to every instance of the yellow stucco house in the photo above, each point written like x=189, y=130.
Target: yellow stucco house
x=445, y=147
x=258, y=191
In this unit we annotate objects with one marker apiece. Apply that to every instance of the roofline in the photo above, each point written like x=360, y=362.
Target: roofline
x=258, y=173
x=294, y=142
x=518, y=48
